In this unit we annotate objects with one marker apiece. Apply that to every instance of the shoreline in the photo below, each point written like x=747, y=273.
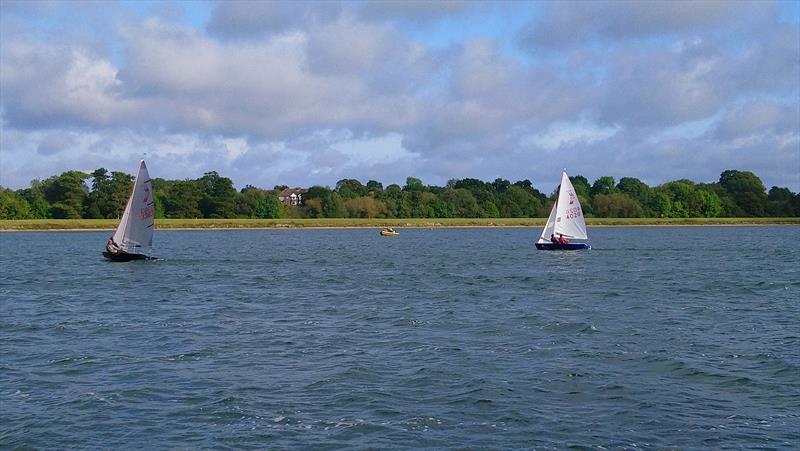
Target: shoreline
x=105, y=225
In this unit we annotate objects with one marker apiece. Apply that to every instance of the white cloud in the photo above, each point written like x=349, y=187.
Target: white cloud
x=568, y=134
x=309, y=92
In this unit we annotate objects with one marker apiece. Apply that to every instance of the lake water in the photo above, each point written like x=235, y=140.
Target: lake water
x=447, y=338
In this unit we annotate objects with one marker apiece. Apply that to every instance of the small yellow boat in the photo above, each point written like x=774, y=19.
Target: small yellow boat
x=389, y=232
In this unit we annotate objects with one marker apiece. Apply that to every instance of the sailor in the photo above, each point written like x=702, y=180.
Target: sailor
x=553, y=238
x=111, y=246
x=562, y=240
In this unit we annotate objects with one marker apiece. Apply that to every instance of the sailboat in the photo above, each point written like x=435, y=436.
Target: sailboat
x=133, y=238
x=566, y=218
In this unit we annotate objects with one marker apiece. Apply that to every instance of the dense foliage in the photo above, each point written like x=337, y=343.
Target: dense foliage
x=75, y=194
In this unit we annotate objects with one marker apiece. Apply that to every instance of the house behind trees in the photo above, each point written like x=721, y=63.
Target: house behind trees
x=292, y=196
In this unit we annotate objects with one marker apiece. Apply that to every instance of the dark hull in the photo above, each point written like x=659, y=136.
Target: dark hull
x=125, y=257
x=562, y=247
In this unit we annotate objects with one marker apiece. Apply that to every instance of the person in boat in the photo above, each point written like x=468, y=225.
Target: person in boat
x=553, y=238
x=562, y=240
x=111, y=246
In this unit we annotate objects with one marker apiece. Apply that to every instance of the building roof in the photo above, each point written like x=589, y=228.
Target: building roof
x=289, y=191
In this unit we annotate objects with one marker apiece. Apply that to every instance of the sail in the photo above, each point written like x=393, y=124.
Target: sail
x=569, y=215
x=134, y=233
x=549, y=227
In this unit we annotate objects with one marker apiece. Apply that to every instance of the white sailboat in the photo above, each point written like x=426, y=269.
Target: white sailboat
x=566, y=219
x=133, y=238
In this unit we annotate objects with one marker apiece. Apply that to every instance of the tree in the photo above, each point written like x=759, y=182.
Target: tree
x=706, y=204
x=413, y=184
x=516, y=202
x=374, y=187
x=269, y=207
x=350, y=188
x=248, y=200
x=500, y=185
x=746, y=190
x=581, y=185
x=120, y=187
x=333, y=206
x=182, y=200
x=100, y=197
x=66, y=194
x=13, y=206
x=219, y=196
x=681, y=195
x=780, y=202
x=462, y=203
x=365, y=207
x=638, y=191
x=616, y=205
x=39, y=207
x=603, y=185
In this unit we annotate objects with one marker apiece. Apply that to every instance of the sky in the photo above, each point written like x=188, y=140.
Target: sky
x=305, y=93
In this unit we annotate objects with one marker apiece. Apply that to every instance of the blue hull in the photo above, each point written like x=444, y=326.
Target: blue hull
x=562, y=247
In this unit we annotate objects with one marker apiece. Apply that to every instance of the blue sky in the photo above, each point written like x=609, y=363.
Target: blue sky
x=302, y=93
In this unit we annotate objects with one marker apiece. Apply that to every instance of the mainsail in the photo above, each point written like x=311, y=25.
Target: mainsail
x=134, y=233
x=566, y=217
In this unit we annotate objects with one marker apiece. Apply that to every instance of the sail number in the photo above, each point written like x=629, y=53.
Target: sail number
x=146, y=212
x=573, y=213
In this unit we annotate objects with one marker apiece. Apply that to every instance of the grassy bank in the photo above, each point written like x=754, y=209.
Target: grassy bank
x=166, y=224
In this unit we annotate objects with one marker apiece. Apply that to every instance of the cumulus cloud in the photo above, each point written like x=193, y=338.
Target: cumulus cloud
x=570, y=22
x=304, y=92
x=247, y=19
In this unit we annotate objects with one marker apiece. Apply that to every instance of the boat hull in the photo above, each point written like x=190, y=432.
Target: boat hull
x=562, y=247
x=387, y=233
x=125, y=257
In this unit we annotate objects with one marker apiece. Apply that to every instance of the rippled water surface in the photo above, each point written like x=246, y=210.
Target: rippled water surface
x=444, y=338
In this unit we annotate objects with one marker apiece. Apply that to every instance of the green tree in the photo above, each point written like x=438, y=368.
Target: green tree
x=413, y=184
x=616, y=205
x=269, y=207
x=39, y=207
x=248, y=200
x=120, y=188
x=66, y=194
x=603, y=185
x=99, y=198
x=182, y=200
x=365, y=207
x=500, y=185
x=516, y=202
x=333, y=206
x=350, y=188
x=638, y=191
x=374, y=187
x=780, y=202
x=13, y=206
x=581, y=185
x=706, y=204
x=462, y=203
x=219, y=196
x=746, y=190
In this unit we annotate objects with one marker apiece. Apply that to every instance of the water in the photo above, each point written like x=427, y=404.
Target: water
x=444, y=338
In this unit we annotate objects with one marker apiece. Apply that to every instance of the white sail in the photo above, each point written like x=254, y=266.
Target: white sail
x=549, y=227
x=569, y=215
x=566, y=216
x=134, y=233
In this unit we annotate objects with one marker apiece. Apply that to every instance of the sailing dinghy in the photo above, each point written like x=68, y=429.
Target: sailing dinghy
x=566, y=218
x=133, y=238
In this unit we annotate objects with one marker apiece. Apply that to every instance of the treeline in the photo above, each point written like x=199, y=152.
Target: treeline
x=101, y=194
